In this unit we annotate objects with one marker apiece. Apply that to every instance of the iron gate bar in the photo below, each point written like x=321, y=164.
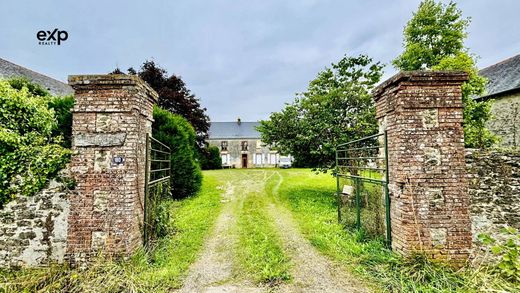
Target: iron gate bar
x=342, y=171
x=160, y=154
x=159, y=170
x=365, y=148
x=159, y=151
x=371, y=180
x=362, y=168
x=361, y=139
x=355, y=158
x=159, y=180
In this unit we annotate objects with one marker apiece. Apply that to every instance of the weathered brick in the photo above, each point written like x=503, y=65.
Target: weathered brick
x=422, y=113
x=111, y=117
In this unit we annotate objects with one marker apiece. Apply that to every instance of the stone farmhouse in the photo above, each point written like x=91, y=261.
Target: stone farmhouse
x=240, y=145
x=55, y=87
x=504, y=88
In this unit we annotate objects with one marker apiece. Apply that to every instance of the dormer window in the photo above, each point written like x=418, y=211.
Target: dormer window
x=244, y=145
x=223, y=146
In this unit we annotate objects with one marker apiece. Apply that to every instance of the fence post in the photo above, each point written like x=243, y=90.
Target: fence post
x=338, y=192
x=387, y=196
x=146, y=191
x=422, y=114
x=358, y=205
x=112, y=116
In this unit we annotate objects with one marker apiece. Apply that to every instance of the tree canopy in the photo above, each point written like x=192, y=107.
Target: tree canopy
x=336, y=108
x=434, y=40
x=174, y=96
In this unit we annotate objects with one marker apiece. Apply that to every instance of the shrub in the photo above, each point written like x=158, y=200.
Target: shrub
x=29, y=154
x=178, y=134
x=210, y=158
x=61, y=105
x=62, y=108
x=34, y=89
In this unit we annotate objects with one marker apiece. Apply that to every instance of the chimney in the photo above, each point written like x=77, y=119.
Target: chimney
x=239, y=121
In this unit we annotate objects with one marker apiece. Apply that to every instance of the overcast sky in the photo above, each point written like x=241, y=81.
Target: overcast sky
x=241, y=58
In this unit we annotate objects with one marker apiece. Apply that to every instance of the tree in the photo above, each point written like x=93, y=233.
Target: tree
x=434, y=40
x=336, y=108
x=177, y=133
x=174, y=96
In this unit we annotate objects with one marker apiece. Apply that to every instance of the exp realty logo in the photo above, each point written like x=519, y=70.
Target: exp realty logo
x=54, y=37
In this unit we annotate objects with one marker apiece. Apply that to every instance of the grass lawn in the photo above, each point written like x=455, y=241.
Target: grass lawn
x=311, y=198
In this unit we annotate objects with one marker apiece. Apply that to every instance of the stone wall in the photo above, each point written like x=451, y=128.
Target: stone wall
x=33, y=230
x=506, y=119
x=111, y=118
x=494, y=189
x=422, y=113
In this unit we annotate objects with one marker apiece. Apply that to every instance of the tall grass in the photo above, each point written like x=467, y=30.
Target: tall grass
x=311, y=198
x=159, y=270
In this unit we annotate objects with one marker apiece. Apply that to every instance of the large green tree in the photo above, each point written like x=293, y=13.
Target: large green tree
x=336, y=108
x=174, y=96
x=434, y=40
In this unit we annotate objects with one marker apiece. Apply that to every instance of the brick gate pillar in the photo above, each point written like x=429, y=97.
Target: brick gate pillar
x=111, y=117
x=422, y=112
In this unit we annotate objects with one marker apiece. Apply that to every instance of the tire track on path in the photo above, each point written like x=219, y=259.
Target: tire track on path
x=312, y=272
x=214, y=271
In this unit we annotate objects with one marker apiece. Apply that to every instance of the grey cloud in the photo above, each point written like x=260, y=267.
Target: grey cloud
x=242, y=58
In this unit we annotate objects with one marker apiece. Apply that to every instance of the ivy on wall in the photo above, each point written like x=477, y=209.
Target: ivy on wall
x=30, y=150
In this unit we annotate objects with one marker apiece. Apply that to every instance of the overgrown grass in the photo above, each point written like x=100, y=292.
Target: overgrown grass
x=311, y=199
x=260, y=250
x=159, y=270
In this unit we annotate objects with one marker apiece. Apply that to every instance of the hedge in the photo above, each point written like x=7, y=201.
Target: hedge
x=176, y=132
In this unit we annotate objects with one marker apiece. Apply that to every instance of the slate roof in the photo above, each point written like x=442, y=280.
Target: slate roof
x=503, y=76
x=233, y=130
x=54, y=86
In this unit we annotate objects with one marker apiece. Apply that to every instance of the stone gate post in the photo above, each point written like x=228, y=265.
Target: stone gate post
x=422, y=112
x=111, y=117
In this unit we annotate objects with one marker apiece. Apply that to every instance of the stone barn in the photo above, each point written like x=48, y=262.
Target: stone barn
x=504, y=89
x=241, y=146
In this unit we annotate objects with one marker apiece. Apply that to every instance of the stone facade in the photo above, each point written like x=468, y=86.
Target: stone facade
x=240, y=145
x=257, y=154
x=506, y=119
x=33, y=230
x=494, y=189
x=111, y=118
x=422, y=113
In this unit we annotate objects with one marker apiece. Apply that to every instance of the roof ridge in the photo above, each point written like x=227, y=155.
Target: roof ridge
x=38, y=73
x=501, y=62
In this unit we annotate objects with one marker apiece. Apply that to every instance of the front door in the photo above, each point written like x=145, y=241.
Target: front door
x=244, y=160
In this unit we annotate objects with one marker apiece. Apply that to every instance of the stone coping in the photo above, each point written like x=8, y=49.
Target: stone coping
x=77, y=81
x=419, y=75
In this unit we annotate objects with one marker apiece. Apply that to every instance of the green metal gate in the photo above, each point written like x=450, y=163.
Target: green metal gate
x=157, y=184
x=362, y=186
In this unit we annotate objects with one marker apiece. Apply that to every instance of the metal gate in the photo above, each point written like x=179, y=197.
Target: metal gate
x=362, y=186
x=157, y=184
